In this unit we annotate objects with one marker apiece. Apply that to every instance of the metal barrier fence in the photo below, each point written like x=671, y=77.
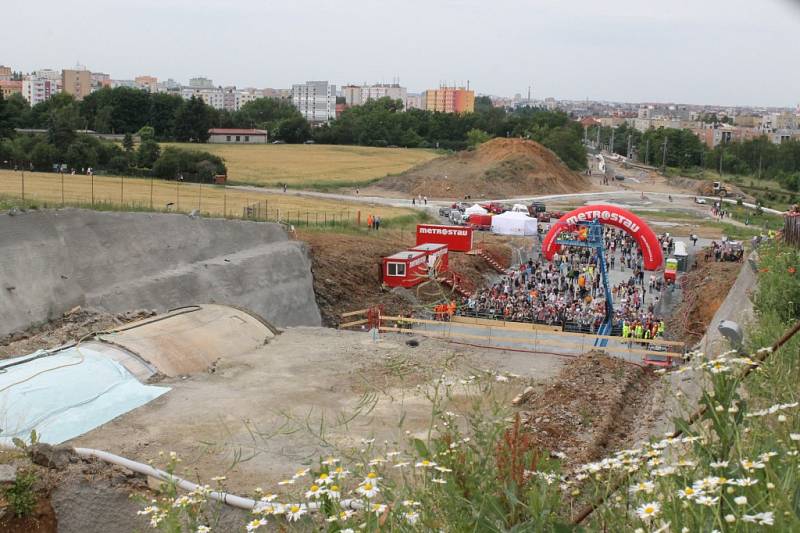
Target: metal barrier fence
x=262, y=210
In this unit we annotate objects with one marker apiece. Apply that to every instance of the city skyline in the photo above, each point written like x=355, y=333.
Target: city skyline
x=712, y=53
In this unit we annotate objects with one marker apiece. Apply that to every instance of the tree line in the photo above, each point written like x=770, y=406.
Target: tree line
x=755, y=157
x=377, y=123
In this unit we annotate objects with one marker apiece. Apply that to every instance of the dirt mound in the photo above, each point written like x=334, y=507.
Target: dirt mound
x=500, y=168
x=347, y=267
x=588, y=409
x=704, y=290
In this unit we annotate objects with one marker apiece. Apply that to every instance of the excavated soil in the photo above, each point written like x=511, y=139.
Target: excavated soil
x=347, y=267
x=588, y=409
x=704, y=290
x=500, y=168
x=72, y=326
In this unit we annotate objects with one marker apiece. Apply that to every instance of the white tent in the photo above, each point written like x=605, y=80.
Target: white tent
x=514, y=223
x=519, y=208
x=475, y=210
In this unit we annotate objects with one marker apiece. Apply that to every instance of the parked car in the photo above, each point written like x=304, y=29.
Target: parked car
x=536, y=207
x=619, y=177
x=444, y=212
x=699, y=200
x=279, y=142
x=310, y=141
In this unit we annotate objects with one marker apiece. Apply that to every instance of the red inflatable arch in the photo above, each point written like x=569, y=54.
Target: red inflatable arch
x=616, y=216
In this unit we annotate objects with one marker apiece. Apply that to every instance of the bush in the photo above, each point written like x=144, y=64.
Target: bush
x=192, y=165
x=21, y=495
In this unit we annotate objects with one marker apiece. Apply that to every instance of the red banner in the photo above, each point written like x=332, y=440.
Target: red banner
x=457, y=238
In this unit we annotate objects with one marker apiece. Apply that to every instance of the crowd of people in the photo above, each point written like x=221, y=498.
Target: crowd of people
x=730, y=251
x=568, y=291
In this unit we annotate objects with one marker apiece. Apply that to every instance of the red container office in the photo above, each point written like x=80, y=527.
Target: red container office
x=405, y=269
x=457, y=238
x=480, y=222
x=436, y=256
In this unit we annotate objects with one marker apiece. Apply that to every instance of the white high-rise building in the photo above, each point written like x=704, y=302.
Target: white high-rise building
x=40, y=85
x=316, y=101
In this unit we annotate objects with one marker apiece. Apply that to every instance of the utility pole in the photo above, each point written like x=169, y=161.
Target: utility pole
x=664, y=157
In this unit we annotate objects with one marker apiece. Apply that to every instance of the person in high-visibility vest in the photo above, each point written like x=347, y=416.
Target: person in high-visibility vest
x=639, y=331
x=661, y=328
x=626, y=329
x=647, y=334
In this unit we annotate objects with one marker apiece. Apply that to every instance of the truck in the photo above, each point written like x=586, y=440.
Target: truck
x=535, y=208
x=720, y=189
x=494, y=207
x=480, y=222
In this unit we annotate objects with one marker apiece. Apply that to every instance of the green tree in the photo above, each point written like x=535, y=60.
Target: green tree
x=62, y=123
x=147, y=133
x=127, y=142
x=44, y=155
x=293, y=130
x=149, y=151
x=192, y=121
x=476, y=137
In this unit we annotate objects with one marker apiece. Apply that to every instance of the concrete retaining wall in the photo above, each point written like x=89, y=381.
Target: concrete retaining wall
x=53, y=260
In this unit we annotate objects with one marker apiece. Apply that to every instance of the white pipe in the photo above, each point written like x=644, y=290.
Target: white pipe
x=223, y=497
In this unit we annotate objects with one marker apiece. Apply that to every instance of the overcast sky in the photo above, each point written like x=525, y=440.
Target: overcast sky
x=690, y=51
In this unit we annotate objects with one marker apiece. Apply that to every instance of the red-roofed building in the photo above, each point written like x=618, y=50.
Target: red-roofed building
x=237, y=136
x=588, y=122
x=9, y=87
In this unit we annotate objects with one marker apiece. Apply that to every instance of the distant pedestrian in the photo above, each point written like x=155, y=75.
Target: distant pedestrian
x=413, y=200
x=284, y=187
x=694, y=240
x=369, y=221
x=425, y=199
x=377, y=223
x=356, y=191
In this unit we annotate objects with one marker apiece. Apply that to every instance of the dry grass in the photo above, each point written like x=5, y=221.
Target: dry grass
x=316, y=166
x=209, y=199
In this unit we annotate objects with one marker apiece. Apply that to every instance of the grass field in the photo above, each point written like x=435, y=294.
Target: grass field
x=112, y=192
x=312, y=166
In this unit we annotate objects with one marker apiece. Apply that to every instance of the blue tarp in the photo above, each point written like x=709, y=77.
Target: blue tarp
x=66, y=394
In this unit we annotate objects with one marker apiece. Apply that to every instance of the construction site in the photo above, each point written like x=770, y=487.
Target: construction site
x=249, y=349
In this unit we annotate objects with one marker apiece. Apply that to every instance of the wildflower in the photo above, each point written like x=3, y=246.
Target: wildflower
x=665, y=471
x=347, y=530
x=324, y=479
x=707, y=483
x=378, y=508
x=782, y=418
x=377, y=461
x=411, y=503
x=295, y=511
x=770, y=486
x=334, y=492
x=202, y=529
x=411, y=517
x=717, y=367
x=400, y=465
x=340, y=472
x=218, y=478
x=442, y=469
x=301, y=473
x=688, y=493
x=559, y=455
x=749, y=466
x=501, y=378
x=762, y=519
x=314, y=492
x=368, y=490
x=256, y=523
x=648, y=511
x=719, y=464
x=286, y=482
x=392, y=454
x=645, y=486
x=367, y=441
x=330, y=461
x=740, y=500
x=729, y=518
x=439, y=481
x=148, y=510
x=268, y=498
x=425, y=464
x=372, y=477
x=708, y=501
x=685, y=463
x=745, y=482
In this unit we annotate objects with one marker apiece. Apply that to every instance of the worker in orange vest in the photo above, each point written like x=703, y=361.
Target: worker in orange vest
x=451, y=308
x=369, y=221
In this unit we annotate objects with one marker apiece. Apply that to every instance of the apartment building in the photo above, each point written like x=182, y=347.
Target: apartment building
x=100, y=80
x=360, y=94
x=450, y=100
x=40, y=85
x=5, y=73
x=9, y=87
x=148, y=83
x=316, y=101
x=78, y=83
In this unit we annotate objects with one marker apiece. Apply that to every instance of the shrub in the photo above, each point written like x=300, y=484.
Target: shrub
x=21, y=495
